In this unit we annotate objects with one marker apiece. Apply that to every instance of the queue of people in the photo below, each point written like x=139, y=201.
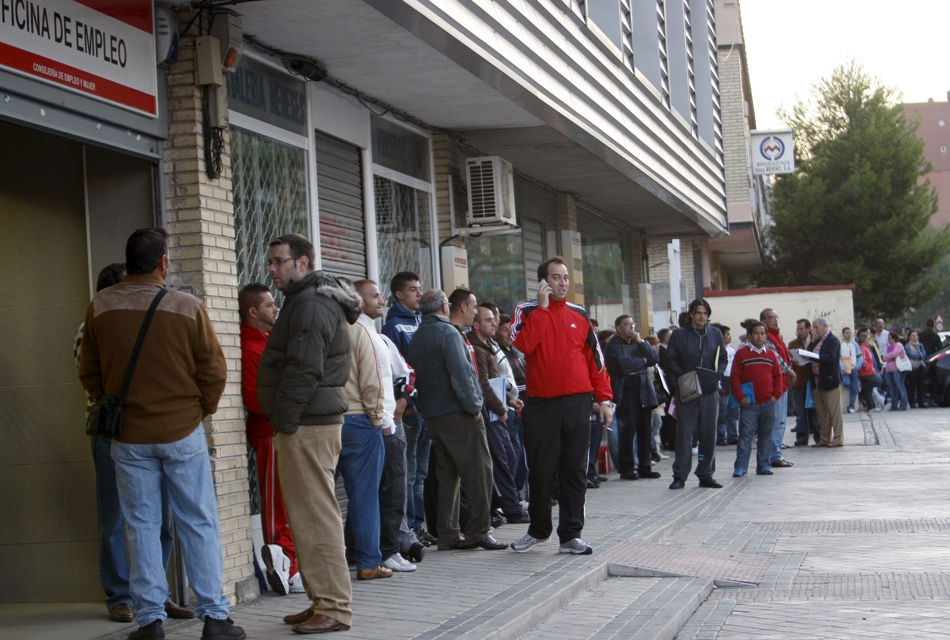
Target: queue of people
x=456, y=417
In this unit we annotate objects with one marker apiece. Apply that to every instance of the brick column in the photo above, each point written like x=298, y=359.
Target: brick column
x=201, y=246
x=445, y=156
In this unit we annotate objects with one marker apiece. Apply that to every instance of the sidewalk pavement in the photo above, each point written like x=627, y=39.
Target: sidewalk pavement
x=849, y=542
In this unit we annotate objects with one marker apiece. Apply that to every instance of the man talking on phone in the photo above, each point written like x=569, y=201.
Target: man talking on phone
x=564, y=365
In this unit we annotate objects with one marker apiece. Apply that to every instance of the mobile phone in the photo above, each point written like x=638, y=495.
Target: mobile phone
x=543, y=282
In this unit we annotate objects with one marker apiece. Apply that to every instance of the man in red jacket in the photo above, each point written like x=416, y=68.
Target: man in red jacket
x=258, y=314
x=564, y=365
x=776, y=343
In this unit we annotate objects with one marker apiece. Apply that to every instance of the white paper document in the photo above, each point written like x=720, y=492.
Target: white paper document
x=804, y=356
x=498, y=386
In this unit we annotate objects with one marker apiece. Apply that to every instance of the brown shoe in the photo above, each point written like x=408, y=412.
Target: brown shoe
x=175, y=612
x=820, y=443
x=122, y=613
x=835, y=444
x=374, y=573
x=319, y=623
x=298, y=618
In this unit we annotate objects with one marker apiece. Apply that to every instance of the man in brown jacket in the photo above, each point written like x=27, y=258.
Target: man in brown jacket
x=506, y=496
x=806, y=421
x=180, y=376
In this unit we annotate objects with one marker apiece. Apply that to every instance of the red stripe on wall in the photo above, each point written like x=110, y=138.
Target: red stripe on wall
x=137, y=13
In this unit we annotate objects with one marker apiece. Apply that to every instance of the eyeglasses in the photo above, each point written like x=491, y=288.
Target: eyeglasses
x=277, y=262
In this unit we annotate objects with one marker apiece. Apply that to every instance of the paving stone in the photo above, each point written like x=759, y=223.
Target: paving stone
x=684, y=561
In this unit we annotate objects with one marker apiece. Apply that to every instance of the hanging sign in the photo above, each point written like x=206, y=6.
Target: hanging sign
x=99, y=48
x=773, y=152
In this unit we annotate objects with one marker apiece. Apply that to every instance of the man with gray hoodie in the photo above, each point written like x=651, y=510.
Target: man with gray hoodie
x=300, y=387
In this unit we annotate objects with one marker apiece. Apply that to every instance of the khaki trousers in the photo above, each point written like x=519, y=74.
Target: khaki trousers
x=460, y=447
x=828, y=408
x=306, y=462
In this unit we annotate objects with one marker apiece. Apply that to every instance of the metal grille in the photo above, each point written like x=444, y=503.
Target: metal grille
x=626, y=32
x=481, y=186
x=532, y=238
x=404, y=231
x=270, y=198
x=691, y=75
x=664, y=61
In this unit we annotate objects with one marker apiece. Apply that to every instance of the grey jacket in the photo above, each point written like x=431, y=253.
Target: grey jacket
x=306, y=363
x=692, y=350
x=445, y=375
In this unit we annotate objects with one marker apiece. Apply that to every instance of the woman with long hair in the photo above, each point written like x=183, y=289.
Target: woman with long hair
x=893, y=376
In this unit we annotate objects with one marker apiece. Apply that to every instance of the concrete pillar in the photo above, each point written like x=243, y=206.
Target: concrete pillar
x=200, y=223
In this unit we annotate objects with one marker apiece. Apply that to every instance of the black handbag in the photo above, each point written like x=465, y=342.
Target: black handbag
x=104, y=418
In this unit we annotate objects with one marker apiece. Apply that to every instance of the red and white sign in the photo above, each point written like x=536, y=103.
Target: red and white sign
x=104, y=49
x=939, y=323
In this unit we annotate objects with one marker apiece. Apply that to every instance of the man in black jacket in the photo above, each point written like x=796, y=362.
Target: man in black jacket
x=697, y=347
x=827, y=395
x=628, y=358
x=300, y=386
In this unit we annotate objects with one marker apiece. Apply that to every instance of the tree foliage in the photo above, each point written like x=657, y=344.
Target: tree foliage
x=853, y=211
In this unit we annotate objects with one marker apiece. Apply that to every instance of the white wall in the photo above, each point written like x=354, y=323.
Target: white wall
x=792, y=303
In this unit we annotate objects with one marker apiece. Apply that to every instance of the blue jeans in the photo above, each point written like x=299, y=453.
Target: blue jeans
x=596, y=435
x=361, y=465
x=113, y=565
x=898, y=392
x=184, y=468
x=417, y=467
x=855, y=385
x=727, y=431
x=756, y=420
x=778, y=429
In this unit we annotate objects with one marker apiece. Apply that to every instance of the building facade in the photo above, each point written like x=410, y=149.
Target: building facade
x=934, y=130
x=356, y=124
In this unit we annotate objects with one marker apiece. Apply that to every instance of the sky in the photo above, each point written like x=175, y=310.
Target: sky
x=792, y=44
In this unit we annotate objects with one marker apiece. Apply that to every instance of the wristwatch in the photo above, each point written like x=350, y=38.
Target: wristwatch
x=610, y=404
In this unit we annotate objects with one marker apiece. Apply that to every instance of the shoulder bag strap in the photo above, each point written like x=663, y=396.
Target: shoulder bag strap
x=138, y=344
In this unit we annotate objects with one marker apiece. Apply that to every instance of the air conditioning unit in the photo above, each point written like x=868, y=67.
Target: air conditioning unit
x=491, y=192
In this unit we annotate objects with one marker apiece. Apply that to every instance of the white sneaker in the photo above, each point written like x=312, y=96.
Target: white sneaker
x=525, y=542
x=577, y=547
x=695, y=451
x=397, y=563
x=850, y=409
x=663, y=456
x=296, y=584
x=278, y=568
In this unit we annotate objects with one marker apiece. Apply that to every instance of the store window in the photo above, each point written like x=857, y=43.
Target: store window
x=603, y=281
x=404, y=231
x=496, y=270
x=270, y=198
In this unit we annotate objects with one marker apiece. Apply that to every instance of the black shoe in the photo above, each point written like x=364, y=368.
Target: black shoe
x=221, y=630
x=655, y=456
x=498, y=521
x=720, y=443
x=152, y=631
x=487, y=542
x=592, y=484
x=426, y=538
x=632, y=475
x=709, y=483
x=416, y=552
x=677, y=484
x=782, y=462
x=601, y=478
x=649, y=474
x=518, y=518
x=732, y=442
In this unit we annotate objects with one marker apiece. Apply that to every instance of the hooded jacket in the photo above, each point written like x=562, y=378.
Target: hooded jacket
x=401, y=325
x=304, y=369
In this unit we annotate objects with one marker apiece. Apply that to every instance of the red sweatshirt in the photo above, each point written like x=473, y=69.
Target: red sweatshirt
x=562, y=354
x=252, y=346
x=761, y=369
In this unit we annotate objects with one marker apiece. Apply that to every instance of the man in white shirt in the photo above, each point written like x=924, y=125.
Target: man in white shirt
x=396, y=542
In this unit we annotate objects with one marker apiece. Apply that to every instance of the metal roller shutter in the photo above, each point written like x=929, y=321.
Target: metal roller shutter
x=340, y=200
x=532, y=239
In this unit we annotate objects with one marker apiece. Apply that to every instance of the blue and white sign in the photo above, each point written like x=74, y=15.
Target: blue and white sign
x=773, y=152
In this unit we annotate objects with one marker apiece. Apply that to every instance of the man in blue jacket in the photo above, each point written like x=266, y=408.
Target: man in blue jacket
x=402, y=320
x=697, y=347
x=828, y=378
x=450, y=399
